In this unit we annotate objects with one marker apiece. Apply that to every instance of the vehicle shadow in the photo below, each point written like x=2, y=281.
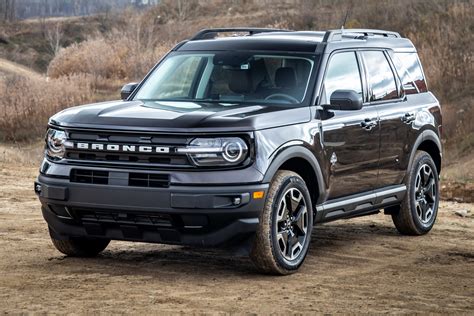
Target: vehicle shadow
x=154, y=260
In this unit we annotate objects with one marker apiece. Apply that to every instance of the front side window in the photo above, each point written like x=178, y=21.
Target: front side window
x=342, y=74
x=382, y=85
x=229, y=77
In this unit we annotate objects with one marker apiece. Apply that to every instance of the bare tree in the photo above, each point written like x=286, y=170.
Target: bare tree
x=54, y=35
x=184, y=8
x=8, y=10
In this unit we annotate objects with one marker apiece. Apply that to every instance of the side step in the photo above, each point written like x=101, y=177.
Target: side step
x=360, y=204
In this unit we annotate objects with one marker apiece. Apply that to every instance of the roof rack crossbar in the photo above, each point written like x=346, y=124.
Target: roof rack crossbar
x=212, y=33
x=333, y=34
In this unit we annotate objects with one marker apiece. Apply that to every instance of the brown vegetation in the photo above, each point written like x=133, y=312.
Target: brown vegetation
x=27, y=103
x=125, y=45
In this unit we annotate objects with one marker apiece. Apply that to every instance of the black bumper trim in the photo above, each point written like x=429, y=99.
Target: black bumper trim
x=235, y=231
x=202, y=217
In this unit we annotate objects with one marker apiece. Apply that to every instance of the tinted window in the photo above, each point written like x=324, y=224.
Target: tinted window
x=409, y=69
x=229, y=77
x=177, y=83
x=342, y=74
x=380, y=76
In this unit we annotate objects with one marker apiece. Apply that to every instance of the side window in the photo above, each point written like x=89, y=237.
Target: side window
x=342, y=74
x=409, y=69
x=381, y=80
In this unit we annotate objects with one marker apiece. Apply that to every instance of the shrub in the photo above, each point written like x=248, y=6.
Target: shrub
x=115, y=57
x=27, y=103
x=96, y=57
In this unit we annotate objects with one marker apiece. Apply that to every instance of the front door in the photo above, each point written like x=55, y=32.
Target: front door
x=350, y=139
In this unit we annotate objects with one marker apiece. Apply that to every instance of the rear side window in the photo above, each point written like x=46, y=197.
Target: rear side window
x=381, y=79
x=342, y=74
x=409, y=69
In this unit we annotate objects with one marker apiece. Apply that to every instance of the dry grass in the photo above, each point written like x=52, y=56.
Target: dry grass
x=27, y=103
x=128, y=44
x=26, y=154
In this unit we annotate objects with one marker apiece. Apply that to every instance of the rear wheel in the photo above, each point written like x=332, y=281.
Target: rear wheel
x=81, y=247
x=286, y=223
x=418, y=211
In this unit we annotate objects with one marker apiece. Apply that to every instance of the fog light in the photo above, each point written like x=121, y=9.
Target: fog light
x=236, y=201
x=37, y=188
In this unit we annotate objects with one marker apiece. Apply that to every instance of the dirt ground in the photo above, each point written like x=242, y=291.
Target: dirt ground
x=359, y=265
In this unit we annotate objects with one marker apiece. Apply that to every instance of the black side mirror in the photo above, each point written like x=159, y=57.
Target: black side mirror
x=345, y=100
x=127, y=90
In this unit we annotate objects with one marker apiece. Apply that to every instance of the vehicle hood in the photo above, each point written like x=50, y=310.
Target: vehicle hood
x=180, y=116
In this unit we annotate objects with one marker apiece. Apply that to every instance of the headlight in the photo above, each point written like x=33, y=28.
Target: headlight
x=228, y=151
x=55, y=141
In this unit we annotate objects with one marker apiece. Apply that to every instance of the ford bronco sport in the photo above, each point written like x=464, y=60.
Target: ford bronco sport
x=249, y=138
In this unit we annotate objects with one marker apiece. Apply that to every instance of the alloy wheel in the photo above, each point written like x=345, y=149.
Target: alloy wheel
x=425, y=194
x=292, y=224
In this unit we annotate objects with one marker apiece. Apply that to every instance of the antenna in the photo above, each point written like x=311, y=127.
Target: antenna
x=348, y=12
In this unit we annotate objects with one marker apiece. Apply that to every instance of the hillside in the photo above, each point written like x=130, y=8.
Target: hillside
x=88, y=58
x=11, y=68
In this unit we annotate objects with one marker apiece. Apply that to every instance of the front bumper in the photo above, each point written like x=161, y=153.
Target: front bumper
x=190, y=215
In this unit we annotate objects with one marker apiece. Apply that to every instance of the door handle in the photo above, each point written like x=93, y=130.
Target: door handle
x=408, y=118
x=368, y=124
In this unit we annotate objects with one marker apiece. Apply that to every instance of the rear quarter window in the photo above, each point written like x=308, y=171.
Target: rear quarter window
x=409, y=69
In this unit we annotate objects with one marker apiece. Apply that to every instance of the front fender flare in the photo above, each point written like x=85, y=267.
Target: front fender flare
x=297, y=152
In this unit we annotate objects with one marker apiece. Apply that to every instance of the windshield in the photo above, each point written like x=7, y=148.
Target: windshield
x=229, y=77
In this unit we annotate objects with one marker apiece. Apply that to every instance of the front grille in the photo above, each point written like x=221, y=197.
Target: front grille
x=89, y=176
x=135, y=179
x=170, y=159
x=149, y=180
x=173, y=160
x=122, y=218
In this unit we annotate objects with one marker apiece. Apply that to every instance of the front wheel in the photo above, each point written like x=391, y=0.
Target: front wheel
x=286, y=222
x=80, y=247
x=418, y=211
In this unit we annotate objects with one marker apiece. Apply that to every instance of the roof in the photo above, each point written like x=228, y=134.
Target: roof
x=259, y=39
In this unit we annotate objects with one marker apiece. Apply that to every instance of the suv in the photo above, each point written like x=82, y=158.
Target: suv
x=249, y=139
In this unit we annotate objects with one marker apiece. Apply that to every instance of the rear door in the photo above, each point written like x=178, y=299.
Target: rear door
x=385, y=94
x=350, y=139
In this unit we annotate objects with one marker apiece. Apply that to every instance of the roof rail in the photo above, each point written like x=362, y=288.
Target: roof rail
x=212, y=33
x=332, y=35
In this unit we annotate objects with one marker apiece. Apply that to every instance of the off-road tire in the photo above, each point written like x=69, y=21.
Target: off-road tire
x=80, y=247
x=264, y=253
x=405, y=217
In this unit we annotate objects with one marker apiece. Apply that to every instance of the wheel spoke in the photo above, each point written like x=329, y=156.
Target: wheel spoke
x=282, y=239
x=424, y=209
x=301, y=220
x=418, y=183
x=288, y=202
x=429, y=189
x=295, y=249
x=292, y=241
x=426, y=174
x=282, y=211
x=296, y=198
x=418, y=207
x=428, y=213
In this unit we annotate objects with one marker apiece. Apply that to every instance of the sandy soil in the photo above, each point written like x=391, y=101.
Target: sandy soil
x=359, y=265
